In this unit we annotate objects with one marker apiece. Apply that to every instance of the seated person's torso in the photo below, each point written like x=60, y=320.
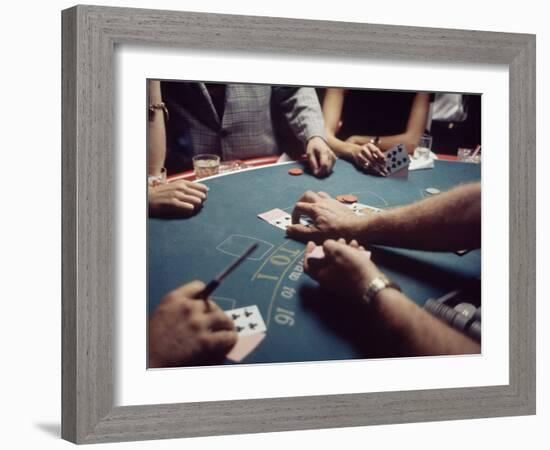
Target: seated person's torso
x=375, y=113
x=244, y=129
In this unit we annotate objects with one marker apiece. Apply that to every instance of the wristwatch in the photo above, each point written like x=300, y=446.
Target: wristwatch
x=376, y=285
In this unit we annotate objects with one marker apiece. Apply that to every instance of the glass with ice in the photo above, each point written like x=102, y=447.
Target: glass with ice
x=206, y=165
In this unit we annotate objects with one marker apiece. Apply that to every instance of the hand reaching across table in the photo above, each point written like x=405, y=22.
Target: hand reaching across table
x=184, y=331
x=348, y=273
x=449, y=221
x=346, y=269
x=331, y=218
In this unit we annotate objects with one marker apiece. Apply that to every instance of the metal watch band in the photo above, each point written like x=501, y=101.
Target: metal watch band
x=376, y=285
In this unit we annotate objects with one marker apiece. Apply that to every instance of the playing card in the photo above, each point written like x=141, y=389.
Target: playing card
x=244, y=346
x=282, y=219
x=363, y=210
x=247, y=320
x=397, y=159
x=317, y=253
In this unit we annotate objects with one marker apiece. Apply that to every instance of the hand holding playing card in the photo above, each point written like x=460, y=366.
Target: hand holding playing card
x=183, y=331
x=320, y=157
x=371, y=159
x=346, y=269
x=330, y=218
x=360, y=155
x=176, y=199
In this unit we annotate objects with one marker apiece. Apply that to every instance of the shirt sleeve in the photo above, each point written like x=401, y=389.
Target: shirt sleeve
x=302, y=110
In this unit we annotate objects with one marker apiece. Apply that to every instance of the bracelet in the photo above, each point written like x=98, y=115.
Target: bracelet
x=154, y=107
x=375, y=140
x=376, y=285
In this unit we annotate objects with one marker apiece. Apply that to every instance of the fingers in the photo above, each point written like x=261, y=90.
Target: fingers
x=323, y=195
x=353, y=243
x=196, y=193
x=326, y=160
x=302, y=233
x=197, y=190
x=313, y=163
x=218, y=321
x=362, y=158
x=303, y=208
x=184, y=184
x=220, y=341
x=199, y=187
x=334, y=249
x=369, y=155
x=182, y=208
x=190, y=290
x=190, y=191
x=375, y=158
x=309, y=248
x=309, y=197
x=376, y=152
x=366, y=160
x=196, y=202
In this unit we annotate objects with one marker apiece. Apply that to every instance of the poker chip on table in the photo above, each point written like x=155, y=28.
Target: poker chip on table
x=346, y=198
x=433, y=191
x=295, y=172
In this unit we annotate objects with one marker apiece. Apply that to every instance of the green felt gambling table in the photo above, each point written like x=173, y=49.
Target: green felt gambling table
x=302, y=323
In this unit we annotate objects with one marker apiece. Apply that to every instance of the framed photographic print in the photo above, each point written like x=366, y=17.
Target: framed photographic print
x=201, y=153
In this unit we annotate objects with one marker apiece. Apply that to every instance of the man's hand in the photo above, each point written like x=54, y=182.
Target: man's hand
x=176, y=199
x=345, y=270
x=320, y=157
x=331, y=219
x=183, y=331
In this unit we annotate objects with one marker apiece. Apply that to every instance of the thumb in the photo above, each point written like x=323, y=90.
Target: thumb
x=332, y=249
x=192, y=289
x=338, y=252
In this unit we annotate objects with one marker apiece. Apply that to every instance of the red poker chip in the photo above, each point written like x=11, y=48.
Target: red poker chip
x=346, y=198
x=295, y=172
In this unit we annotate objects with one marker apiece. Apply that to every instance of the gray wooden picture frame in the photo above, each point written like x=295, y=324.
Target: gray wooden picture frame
x=90, y=34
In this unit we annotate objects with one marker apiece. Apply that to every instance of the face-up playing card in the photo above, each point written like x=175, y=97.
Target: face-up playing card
x=281, y=219
x=397, y=159
x=247, y=320
x=363, y=210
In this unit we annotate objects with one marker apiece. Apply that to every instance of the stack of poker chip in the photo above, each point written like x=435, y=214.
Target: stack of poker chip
x=464, y=316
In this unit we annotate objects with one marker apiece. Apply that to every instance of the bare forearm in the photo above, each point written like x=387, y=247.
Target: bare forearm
x=411, y=134
x=415, y=331
x=156, y=132
x=449, y=221
x=384, y=143
x=339, y=147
